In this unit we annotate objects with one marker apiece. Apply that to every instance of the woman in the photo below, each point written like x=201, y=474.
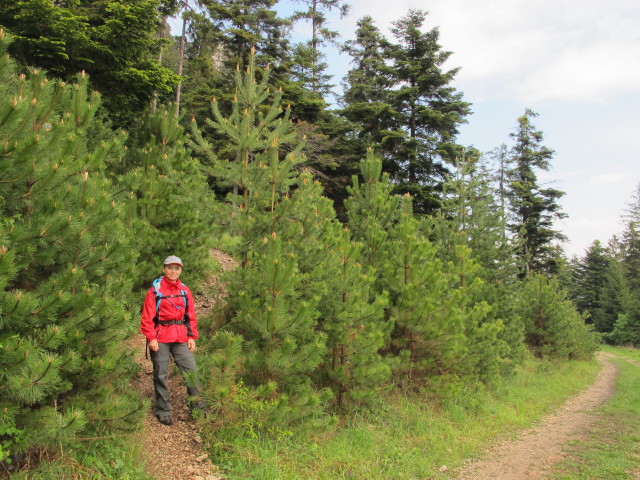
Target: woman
x=170, y=325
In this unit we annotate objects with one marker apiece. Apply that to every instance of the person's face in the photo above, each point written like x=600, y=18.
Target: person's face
x=172, y=271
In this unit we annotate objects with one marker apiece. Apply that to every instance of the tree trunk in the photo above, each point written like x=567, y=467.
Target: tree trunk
x=314, y=47
x=180, y=62
x=154, y=99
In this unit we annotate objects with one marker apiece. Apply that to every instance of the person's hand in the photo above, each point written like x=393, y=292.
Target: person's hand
x=153, y=345
x=191, y=343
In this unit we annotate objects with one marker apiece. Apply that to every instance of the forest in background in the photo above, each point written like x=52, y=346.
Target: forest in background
x=374, y=252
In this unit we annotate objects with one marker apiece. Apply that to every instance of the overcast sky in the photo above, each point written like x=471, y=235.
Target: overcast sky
x=575, y=62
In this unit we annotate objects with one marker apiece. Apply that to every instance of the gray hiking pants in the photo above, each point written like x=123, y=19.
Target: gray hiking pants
x=185, y=362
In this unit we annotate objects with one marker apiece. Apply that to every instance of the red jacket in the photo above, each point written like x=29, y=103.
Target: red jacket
x=170, y=309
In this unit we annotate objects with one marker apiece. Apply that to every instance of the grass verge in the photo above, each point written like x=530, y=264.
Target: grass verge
x=612, y=448
x=95, y=459
x=411, y=438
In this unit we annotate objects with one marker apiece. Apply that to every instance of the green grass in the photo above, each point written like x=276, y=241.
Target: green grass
x=612, y=448
x=101, y=459
x=411, y=438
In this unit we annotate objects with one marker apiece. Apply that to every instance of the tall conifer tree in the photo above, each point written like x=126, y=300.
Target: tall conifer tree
x=630, y=241
x=366, y=89
x=616, y=301
x=428, y=110
x=533, y=208
x=590, y=278
x=401, y=99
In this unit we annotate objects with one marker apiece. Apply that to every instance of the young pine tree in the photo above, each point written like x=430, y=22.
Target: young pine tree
x=469, y=230
x=275, y=293
x=424, y=307
x=66, y=267
x=356, y=329
x=371, y=211
x=553, y=327
x=426, y=329
x=170, y=204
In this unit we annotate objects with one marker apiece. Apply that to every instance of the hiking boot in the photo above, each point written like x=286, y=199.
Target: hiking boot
x=166, y=420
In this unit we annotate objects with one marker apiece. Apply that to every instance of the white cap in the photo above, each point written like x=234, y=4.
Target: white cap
x=172, y=259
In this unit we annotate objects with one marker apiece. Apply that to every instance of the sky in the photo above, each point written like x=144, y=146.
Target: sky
x=574, y=62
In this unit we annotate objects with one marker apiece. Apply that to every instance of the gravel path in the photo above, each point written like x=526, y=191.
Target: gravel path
x=170, y=452
x=531, y=456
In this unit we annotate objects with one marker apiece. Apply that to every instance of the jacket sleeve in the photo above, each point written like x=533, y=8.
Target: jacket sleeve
x=147, y=328
x=192, y=321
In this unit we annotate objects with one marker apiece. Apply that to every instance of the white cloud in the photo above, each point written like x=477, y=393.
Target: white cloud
x=567, y=50
x=605, y=178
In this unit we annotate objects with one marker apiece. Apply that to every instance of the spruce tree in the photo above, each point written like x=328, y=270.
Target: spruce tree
x=428, y=110
x=366, y=92
x=67, y=268
x=533, y=208
x=630, y=241
x=401, y=100
x=590, y=278
x=618, y=302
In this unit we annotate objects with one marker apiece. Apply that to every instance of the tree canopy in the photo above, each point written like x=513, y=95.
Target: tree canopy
x=115, y=42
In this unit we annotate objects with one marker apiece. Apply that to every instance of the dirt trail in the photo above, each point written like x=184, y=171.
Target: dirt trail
x=531, y=456
x=170, y=452
x=175, y=452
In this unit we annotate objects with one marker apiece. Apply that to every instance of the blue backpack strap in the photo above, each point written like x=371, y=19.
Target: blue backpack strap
x=156, y=289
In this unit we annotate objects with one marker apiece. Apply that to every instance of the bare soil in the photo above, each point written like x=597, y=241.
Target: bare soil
x=538, y=448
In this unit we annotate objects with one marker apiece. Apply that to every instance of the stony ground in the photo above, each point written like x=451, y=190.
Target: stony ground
x=171, y=452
